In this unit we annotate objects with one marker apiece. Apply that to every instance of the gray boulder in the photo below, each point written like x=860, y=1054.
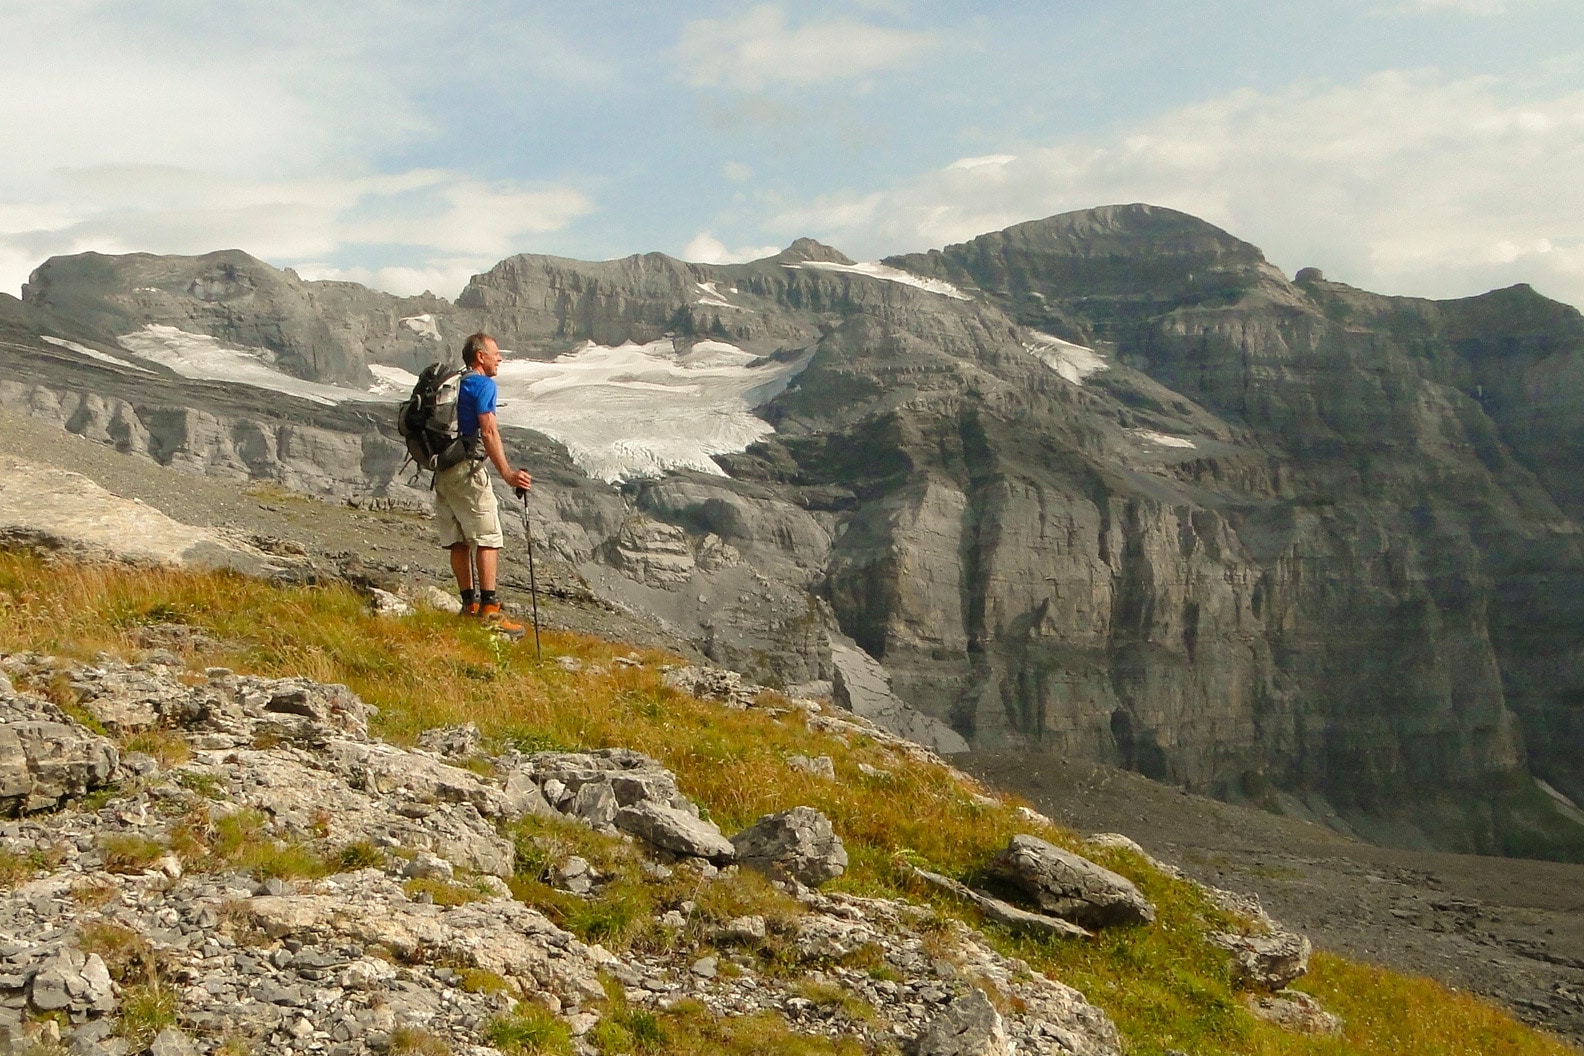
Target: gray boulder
x=45, y=758
x=1004, y=912
x=798, y=843
x=1265, y=955
x=595, y=786
x=1266, y=962
x=1070, y=885
x=676, y=831
x=970, y=1026
x=595, y=804
x=172, y=1042
x=72, y=981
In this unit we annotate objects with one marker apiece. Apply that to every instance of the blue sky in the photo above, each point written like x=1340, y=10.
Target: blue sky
x=1425, y=147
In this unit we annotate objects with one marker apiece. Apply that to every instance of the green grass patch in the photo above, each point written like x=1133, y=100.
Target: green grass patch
x=444, y=892
x=207, y=785
x=14, y=869
x=128, y=956
x=129, y=853
x=145, y=1011
x=415, y=1041
x=167, y=748
x=529, y=1031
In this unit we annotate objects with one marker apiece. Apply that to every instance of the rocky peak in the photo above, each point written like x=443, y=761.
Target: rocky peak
x=808, y=249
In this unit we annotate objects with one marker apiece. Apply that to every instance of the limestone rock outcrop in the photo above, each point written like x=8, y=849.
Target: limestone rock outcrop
x=798, y=843
x=1071, y=886
x=45, y=758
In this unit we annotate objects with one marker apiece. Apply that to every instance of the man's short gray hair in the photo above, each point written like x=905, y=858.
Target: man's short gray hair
x=473, y=346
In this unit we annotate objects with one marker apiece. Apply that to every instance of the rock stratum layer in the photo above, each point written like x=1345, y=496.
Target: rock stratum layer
x=1104, y=485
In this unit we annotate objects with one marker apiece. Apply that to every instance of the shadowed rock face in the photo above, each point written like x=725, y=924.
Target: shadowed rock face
x=1286, y=541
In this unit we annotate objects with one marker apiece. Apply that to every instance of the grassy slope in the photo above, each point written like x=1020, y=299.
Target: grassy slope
x=1164, y=985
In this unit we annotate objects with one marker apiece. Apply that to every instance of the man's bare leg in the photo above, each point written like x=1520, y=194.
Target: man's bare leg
x=462, y=565
x=488, y=561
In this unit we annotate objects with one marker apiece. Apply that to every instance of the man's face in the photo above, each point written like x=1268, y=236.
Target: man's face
x=488, y=359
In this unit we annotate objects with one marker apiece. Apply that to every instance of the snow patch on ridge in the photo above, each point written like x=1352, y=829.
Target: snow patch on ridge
x=423, y=325
x=713, y=296
x=204, y=358
x=887, y=273
x=1073, y=362
x=93, y=353
x=1163, y=440
x=635, y=410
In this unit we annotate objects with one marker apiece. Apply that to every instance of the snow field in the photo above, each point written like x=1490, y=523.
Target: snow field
x=623, y=412
x=887, y=274
x=93, y=353
x=1161, y=439
x=1073, y=362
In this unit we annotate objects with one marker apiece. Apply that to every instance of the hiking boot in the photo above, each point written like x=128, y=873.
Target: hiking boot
x=496, y=621
x=469, y=608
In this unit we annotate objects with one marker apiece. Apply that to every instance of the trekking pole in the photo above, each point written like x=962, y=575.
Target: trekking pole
x=533, y=587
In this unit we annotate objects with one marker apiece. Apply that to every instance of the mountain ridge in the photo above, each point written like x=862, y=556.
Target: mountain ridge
x=1135, y=496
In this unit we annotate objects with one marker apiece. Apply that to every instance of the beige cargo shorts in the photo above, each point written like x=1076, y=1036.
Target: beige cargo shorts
x=465, y=507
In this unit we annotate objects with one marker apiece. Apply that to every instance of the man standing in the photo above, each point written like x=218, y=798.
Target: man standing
x=466, y=511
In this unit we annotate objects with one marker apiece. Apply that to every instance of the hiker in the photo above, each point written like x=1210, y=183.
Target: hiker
x=465, y=508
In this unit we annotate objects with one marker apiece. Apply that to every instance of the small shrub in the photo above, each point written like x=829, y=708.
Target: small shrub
x=145, y=1011
x=128, y=956
x=94, y=894
x=529, y=1031
x=241, y=840
x=528, y=741
x=128, y=853
x=870, y=958
x=360, y=855
x=207, y=785
x=168, y=749
x=484, y=981
x=285, y=860
x=415, y=1041
x=443, y=892
x=837, y=998
x=14, y=869
x=622, y=914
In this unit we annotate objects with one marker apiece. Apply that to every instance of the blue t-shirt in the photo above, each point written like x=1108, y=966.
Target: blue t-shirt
x=475, y=397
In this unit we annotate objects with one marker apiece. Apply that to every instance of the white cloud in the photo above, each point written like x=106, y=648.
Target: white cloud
x=446, y=277
x=705, y=248
x=737, y=172
x=445, y=215
x=759, y=48
x=1408, y=183
x=463, y=215
x=169, y=129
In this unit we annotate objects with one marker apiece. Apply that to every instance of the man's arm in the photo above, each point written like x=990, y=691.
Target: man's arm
x=489, y=433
